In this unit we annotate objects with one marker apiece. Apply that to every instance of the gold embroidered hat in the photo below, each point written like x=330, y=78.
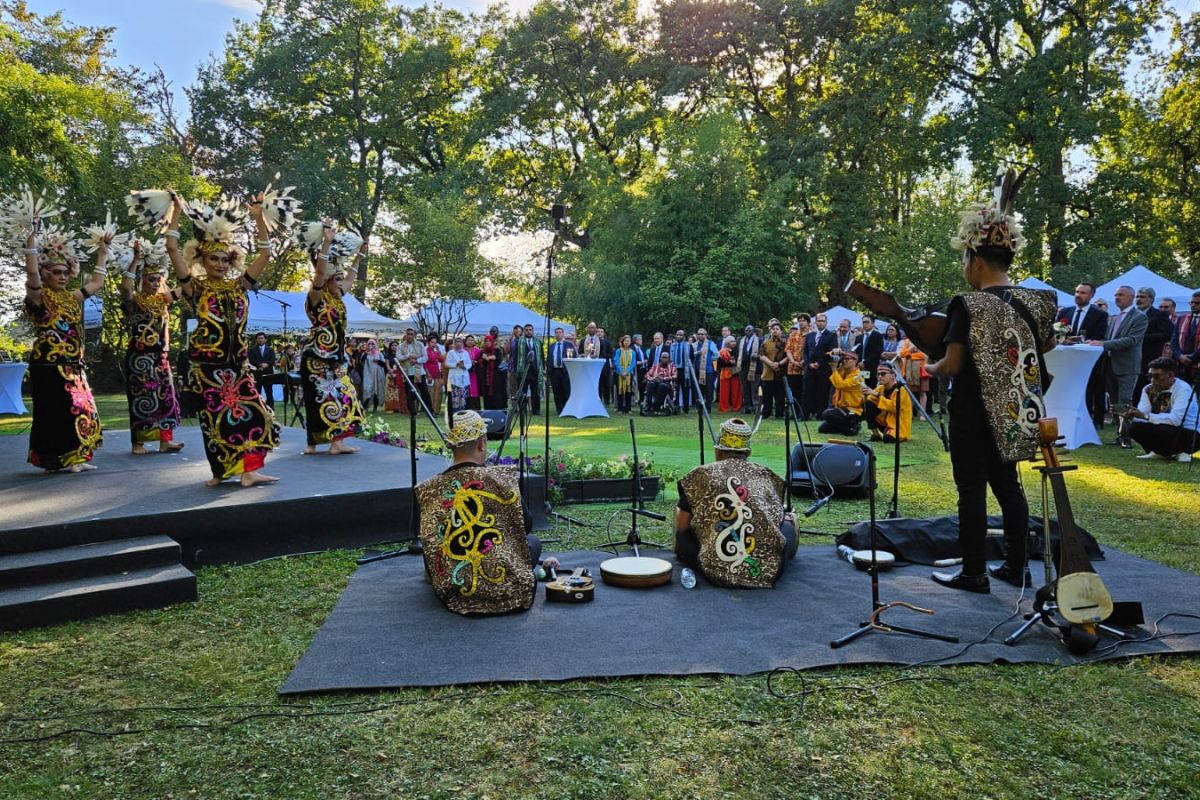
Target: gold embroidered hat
x=735, y=436
x=468, y=426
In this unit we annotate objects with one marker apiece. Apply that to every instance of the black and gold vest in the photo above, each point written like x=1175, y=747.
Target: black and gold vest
x=1006, y=355
x=473, y=534
x=737, y=511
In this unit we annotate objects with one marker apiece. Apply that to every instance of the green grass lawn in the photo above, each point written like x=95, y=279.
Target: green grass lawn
x=185, y=697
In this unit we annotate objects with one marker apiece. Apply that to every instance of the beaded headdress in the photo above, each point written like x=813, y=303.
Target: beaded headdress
x=735, y=436
x=468, y=426
x=994, y=223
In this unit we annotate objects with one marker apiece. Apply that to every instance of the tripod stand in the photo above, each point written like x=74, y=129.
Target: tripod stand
x=703, y=417
x=874, y=622
x=289, y=395
x=637, y=508
x=414, y=540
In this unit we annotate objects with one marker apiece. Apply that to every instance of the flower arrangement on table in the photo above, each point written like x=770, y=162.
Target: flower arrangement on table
x=1061, y=331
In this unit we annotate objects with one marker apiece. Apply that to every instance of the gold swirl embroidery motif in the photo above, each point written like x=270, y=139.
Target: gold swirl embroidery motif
x=735, y=541
x=470, y=535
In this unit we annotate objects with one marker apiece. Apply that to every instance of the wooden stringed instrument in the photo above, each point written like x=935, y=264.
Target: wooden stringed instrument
x=925, y=326
x=1082, y=597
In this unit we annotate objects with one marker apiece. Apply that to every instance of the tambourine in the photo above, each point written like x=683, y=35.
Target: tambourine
x=577, y=587
x=636, y=571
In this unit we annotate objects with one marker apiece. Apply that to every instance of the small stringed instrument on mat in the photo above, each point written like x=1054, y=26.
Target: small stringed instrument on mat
x=1082, y=597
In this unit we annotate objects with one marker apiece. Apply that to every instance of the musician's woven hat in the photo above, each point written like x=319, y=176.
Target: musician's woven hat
x=994, y=223
x=735, y=436
x=468, y=427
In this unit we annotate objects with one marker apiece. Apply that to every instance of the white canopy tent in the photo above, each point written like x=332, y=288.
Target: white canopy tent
x=266, y=315
x=1141, y=276
x=1064, y=299
x=836, y=314
x=481, y=316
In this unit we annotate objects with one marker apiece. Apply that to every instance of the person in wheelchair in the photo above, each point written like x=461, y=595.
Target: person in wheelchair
x=661, y=384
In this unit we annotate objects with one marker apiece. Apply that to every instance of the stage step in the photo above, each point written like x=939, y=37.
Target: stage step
x=47, y=587
x=97, y=558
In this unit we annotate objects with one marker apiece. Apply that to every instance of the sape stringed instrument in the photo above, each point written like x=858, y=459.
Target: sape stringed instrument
x=925, y=326
x=1081, y=595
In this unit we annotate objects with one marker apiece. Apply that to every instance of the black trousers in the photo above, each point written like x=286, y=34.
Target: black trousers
x=560, y=385
x=772, y=397
x=684, y=393
x=1166, y=440
x=839, y=421
x=749, y=388
x=656, y=393
x=977, y=465
x=796, y=384
x=816, y=392
x=706, y=391
x=1095, y=394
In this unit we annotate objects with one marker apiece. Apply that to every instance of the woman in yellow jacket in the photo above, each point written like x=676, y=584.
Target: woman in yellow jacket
x=888, y=408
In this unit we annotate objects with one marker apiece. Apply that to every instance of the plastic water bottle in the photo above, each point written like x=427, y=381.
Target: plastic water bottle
x=687, y=578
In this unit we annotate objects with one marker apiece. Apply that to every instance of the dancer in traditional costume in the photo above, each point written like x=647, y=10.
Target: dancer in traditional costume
x=66, y=426
x=332, y=413
x=730, y=522
x=995, y=337
x=239, y=430
x=149, y=385
x=479, y=551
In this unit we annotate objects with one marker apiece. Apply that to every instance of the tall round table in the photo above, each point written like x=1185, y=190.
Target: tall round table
x=584, y=400
x=11, y=375
x=1071, y=365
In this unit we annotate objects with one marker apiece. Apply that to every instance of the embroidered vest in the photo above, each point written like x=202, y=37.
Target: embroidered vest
x=473, y=533
x=737, y=510
x=1005, y=353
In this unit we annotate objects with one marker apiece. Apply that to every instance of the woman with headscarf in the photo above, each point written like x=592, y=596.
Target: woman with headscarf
x=374, y=377
x=625, y=367
x=473, y=394
x=488, y=375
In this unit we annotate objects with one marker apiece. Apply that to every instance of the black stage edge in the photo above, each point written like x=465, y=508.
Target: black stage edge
x=321, y=501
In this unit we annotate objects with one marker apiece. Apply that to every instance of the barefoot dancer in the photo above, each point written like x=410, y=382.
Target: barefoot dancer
x=66, y=427
x=149, y=384
x=239, y=430
x=331, y=409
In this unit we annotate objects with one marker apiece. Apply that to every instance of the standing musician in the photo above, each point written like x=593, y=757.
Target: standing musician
x=479, y=552
x=730, y=523
x=995, y=335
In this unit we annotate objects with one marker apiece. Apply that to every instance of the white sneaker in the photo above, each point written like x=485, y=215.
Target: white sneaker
x=1183, y=458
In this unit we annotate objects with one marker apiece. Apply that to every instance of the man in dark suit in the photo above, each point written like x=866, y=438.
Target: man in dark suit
x=1158, y=334
x=1088, y=323
x=606, y=375
x=560, y=382
x=869, y=348
x=747, y=368
x=529, y=367
x=262, y=364
x=682, y=353
x=817, y=368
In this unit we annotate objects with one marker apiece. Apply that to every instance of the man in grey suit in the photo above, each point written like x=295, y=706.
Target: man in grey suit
x=1123, y=353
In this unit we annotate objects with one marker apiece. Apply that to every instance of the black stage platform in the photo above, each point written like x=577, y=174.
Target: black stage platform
x=320, y=502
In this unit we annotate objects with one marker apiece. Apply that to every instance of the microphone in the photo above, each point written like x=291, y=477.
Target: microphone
x=818, y=505
x=651, y=514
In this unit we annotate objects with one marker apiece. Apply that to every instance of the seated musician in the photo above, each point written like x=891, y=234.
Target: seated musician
x=887, y=407
x=660, y=382
x=1165, y=420
x=475, y=530
x=730, y=523
x=844, y=416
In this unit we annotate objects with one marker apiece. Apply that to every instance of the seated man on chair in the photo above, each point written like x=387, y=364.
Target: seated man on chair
x=730, y=523
x=1165, y=420
x=475, y=530
x=844, y=416
x=887, y=408
x=660, y=382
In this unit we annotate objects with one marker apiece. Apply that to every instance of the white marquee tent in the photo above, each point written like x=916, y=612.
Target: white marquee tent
x=482, y=316
x=1141, y=276
x=1064, y=299
x=838, y=313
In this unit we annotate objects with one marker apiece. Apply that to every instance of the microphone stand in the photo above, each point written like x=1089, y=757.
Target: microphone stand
x=791, y=419
x=703, y=417
x=413, y=546
x=637, y=508
x=288, y=398
x=874, y=623
x=894, y=508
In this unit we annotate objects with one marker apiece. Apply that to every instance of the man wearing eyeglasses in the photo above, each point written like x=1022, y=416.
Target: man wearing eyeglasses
x=1165, y=420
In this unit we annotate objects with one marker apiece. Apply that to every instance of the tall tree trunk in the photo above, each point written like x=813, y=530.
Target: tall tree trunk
x=841, y=269
x=1056, y=213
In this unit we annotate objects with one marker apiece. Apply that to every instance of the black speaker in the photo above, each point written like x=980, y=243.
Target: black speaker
x=837, y=465
x=496, y=421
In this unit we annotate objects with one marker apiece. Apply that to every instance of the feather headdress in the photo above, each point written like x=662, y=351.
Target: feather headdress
x=58, y=246
x=152, y=207
x=280, y=209
x=994, y=223
x=94, y=235
x=24, y=212
x=344, y=246
x=154, y=256
x=216, y=226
